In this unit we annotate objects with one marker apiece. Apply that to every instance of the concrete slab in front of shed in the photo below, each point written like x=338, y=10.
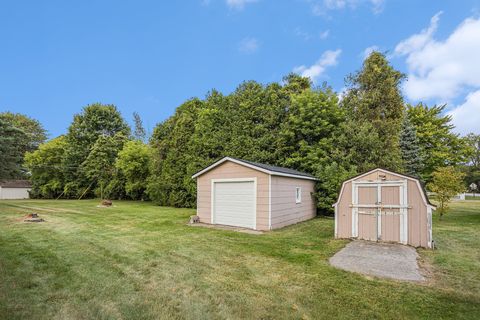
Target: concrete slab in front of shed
x=384, y=260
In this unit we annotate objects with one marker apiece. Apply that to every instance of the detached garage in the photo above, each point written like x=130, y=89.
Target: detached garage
x=252, y=195
x=15, y=189
x=381, y=205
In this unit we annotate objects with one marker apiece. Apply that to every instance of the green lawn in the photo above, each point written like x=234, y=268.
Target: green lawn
x=139, y=261
x=476, y=197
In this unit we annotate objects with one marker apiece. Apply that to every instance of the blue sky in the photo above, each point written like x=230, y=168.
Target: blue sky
x=150, y=56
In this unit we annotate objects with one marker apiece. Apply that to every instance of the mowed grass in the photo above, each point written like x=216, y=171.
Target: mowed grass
x=140, y=261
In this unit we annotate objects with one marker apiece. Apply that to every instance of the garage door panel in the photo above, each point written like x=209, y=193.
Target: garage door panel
x=234, y=203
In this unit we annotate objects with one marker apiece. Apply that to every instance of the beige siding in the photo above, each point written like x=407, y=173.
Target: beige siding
x=285, y=210
x=417, y=217
x=230, y=170
x=344, y=213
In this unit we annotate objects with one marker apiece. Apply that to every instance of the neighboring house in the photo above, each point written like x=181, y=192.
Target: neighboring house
x=252, y=195
x=381, y=205
x=14, y=189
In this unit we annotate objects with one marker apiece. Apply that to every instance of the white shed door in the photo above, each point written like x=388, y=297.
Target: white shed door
x=234, y=204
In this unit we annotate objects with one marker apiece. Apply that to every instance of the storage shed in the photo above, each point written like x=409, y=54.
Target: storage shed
x=381, y=205
x=14, y=189
x=252, y=195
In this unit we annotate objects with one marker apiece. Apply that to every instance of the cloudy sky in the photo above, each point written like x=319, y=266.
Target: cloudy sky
x=150, y=56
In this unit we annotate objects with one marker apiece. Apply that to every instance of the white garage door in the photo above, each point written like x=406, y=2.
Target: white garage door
x=234, y=204
x=14, y=193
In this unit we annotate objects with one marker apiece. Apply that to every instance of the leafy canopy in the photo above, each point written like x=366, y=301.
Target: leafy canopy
x=447, y=182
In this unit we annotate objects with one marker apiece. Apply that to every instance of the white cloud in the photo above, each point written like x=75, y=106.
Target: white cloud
x=321, y=7
x=419, y=40
x=248, y=45
x=466, y=117
x=442, y=70
x=329, y=58
x=238, y=4
x=324, y=34
x=369, y=50
x=299, y=32
x=377, y=6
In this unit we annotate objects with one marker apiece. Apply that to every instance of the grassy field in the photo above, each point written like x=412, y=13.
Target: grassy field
x=139, y=261
x=476, y=197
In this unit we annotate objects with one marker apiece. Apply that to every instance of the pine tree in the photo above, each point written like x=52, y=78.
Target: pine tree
x=139, y=132
x=11, y=152
x=410, y=148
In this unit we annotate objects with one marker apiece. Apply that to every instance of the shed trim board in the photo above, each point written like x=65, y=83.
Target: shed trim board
x=269, y=202
x=251, y=166
x=232, y=180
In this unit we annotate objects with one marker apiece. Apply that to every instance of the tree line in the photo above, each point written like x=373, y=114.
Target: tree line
x=292, y=124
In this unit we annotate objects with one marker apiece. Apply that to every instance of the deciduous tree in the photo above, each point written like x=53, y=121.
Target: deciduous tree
x=46, y=167
x=439, y=146
x=134, y=162
x=374, y=96
x=447, y=182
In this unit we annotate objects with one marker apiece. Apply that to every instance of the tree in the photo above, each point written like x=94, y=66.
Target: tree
x=439, y=147
x=94, y=121
x=374, y=96
x=313, y=119
x=172, y=158
x=245, y=124
x=305, y=141
x=410, y=149
x=99, y=166
x=446, y=183
x=139, y=132
x=35, y=134
x=472, y=166
x=11, y=151
x=473, y=141
x=134, y=162
x=46, y=168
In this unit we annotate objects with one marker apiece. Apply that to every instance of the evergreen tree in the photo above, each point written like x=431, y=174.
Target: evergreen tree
x=411, y=155
x=139, y=132
x=11, y=150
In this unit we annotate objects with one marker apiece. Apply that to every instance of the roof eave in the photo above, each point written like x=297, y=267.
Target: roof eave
x=273, y=173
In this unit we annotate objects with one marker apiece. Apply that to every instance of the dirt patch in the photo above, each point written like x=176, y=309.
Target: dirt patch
x=393, y=261
x=32, y=217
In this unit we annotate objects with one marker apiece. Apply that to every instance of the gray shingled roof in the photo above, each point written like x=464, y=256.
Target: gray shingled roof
x=276, y=169
x=15, y=184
